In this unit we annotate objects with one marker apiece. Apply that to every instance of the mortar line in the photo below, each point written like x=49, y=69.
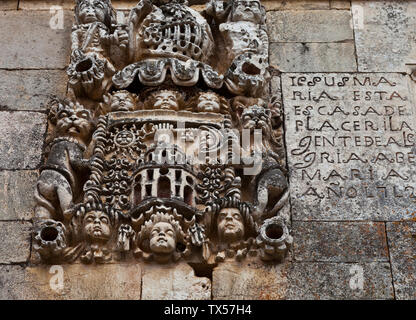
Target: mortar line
x=354, y=37
x=285, y=146
x=339, y=262
x=17, y=169
x=6, y=109
x=314, y=42
x=141, y=283
x=389, y=256
x=33, y=69
x=358, y=221
x=21, y=264
x=345, y=72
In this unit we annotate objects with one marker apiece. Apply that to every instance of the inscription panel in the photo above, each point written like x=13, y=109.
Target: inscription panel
x=351, y=146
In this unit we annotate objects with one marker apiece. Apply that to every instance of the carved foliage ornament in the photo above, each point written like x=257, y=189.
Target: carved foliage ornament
x=167, y=146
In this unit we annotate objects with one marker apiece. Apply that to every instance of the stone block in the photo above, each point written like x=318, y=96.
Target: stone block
x=30, y=89
x=16, y=194
x=340, y=281
x=22, y=139
x=296, y=5
x=249, y=281
x=340, y=4
x=12, y=279
x=15, y=241
x=402, y=246
x=309, y=26
x=71, y=282
x=340, y=241
x=8, y=5
x=384, y=35
x=29, y=42
x=351, y=153
x=45, y=4
x=178, y=282
x=124, y=4
x=70, y=4
x=313, y=57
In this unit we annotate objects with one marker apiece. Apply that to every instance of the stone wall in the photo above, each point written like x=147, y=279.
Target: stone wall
x=342, y=250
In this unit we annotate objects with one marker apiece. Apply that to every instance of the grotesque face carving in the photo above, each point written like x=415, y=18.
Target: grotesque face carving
x=255, y=117
x=166, y=99
x=246, y=10
x=74, y=122
x=230, y=225
x=122, y=101
x=162, y=238
x=208, y=102
x=90, y=11
x=97, y=226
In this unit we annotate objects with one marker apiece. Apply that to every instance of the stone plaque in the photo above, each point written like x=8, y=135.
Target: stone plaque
x=351, y=140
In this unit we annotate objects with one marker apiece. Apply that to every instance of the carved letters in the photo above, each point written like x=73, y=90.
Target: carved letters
x=352, y=145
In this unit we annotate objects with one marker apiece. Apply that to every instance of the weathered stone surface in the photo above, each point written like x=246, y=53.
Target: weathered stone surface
x=402, y=245
x=22, y=139
x=196, y=4
x=8, y=5
x=385, y=35
x=167, y=282
x=45, y=4
x=12, y=278
x=16, y=194
x=275, y=85
x=340, y=4
x=296, y=5
x=30, y=89
x=249, y=281
x=124, y=4
x=324, y=281
x=71, y=282
x=321, y=26
x=340, y=241
x=15, y=241
x=313, y=57
x=69, y=4
x=38, y=45
x=350, y=146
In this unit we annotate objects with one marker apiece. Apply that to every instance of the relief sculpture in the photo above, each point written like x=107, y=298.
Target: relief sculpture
x=169, y=145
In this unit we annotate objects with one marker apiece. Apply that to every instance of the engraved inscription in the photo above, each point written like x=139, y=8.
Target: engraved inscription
x=351, y=141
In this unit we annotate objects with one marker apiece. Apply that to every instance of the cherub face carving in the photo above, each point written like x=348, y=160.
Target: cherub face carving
x=74, y=122
x=208, y=102
x=122, y=101
x=246, y=10
x=97, y=226
x=162, y=238
x=90, y=11
x=166, y=99
x=159, y=237
x=230, y=225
